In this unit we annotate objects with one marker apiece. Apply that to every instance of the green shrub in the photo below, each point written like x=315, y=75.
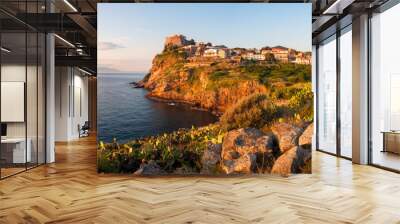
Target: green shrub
x=292, y=72
x=115, y=158
x=258, y=110
x=218, y=74
x=253, y=111
x=106, y=164
x=302, y=104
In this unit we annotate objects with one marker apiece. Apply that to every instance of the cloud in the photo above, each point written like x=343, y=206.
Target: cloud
x=107, y=69
x=105, y=46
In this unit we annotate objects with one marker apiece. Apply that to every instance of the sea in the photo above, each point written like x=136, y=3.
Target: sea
x=125, y=113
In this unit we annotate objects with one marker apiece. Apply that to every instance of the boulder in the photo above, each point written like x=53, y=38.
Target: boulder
x=243, y=164
x=305, y=139
x=295, y=160
x=150, y=168
x=242, y=149
x=211, y=158
x=287, y=134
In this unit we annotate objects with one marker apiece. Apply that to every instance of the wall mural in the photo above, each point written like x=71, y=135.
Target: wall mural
x=204, y=89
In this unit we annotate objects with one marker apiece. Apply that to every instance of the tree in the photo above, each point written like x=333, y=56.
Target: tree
x=270, y=57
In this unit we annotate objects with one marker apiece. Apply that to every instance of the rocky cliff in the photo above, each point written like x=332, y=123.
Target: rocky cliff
x=216, y=83
x=213, y=85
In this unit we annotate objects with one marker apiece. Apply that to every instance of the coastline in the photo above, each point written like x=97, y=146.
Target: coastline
x=145, y=117
x=183, y=102
x=141, y=85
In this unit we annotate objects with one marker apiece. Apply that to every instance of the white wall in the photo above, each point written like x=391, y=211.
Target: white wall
x=33, y=127
x=16, y=73
x=81, y=108
x=62, y=85
x=71, y=87
x=314, y=89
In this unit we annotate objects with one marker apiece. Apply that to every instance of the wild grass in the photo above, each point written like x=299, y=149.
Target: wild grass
x=259, y=110
x=253, y=111
x=180, y=149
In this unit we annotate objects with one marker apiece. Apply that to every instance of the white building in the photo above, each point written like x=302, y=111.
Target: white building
x=254, y=56
x=211, y=52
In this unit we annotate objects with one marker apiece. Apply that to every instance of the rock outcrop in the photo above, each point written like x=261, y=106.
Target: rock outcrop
x=249, y=150
x=215, y=100
x=287, y=134
x=139, y=84
x=295, y=160
x=177, y=40
x=170, y=80
x=211, y=159
x=305, y=139
x=243, y=148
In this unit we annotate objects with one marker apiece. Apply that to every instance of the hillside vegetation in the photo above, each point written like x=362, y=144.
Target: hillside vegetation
x=218, y=84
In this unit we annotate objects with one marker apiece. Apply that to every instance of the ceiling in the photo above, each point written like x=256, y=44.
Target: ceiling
x=75, y=22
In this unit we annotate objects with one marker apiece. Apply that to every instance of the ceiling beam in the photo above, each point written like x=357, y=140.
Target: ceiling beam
x=84, y=24
x=78, y=61
x=89, y=30
x=337, y=7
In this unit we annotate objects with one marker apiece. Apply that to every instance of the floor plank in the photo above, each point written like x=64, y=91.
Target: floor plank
x=70, y=191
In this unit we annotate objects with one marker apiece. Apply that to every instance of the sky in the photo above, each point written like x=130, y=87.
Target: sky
x=131, y=34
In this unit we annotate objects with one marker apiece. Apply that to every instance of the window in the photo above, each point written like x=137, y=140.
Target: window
x=385, y=89
x=22, y=98
x=327, y=95
x=346, y=92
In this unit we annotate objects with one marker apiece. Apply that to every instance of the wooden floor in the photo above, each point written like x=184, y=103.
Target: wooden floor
x=386, y=159
x=5, y=172
x=70, y=191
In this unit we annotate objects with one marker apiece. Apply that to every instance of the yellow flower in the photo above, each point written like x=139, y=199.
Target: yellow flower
x=220, y=138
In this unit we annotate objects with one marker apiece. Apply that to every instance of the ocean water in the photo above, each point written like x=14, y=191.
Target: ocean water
x=125, y=113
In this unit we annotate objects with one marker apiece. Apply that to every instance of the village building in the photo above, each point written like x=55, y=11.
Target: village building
x=266, y=50
x=217, y=52
x=237, y=51
x=281, y=54
x=303, y=59
x=190, y=50
x=259, y=57
x=211, y=52
x=291, y=55
x=248, y=55
x=224, y=53
x=201, y=47
x=252, y=55
x=207, y=50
